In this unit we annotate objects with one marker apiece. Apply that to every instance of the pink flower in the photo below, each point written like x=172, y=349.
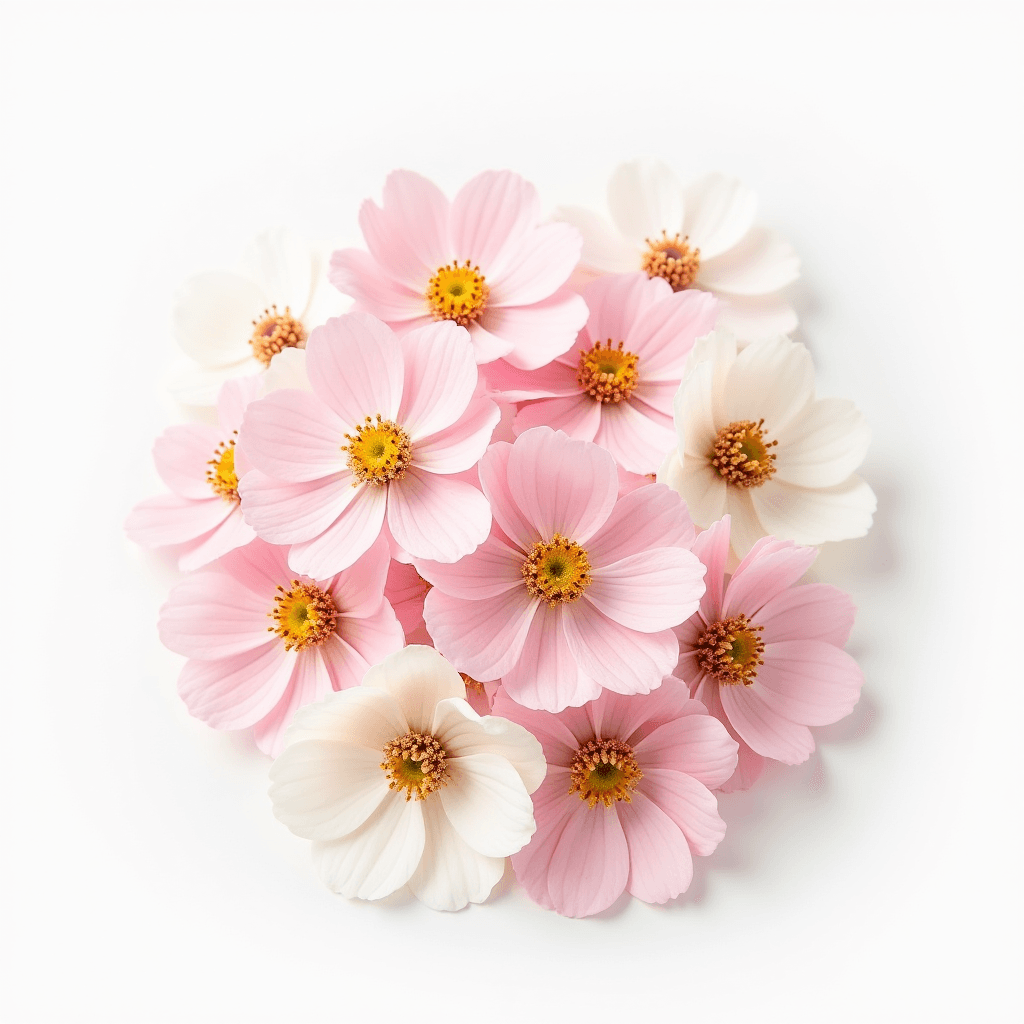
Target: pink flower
x=626, y=800
x=484, y=261
x=197, y=462
x=575, y=589
x=388, y=424
x=766, y=657
x=616, y=385
x=262, y=642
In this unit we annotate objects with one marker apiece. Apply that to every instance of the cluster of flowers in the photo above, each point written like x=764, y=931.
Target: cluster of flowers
x=504, y=561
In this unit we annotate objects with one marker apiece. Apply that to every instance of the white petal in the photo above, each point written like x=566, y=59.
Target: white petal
x=418, y=678
x=773, y=380
x=645, y=199
x=756, y=317
x=763, y=262
x=603, y=248
x=281, y=263
x=823, y=445
x=719, y=212
x=813, y=516
x=286, y=370
x=200, y=385
x=362, y=715
x=212, y=316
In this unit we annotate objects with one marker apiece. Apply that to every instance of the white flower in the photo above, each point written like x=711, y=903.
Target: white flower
x=399, y=781
x=234, y=324
x=701, y=235
x=754, y=442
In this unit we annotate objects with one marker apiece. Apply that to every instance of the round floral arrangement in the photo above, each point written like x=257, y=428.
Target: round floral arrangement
x=505, y=561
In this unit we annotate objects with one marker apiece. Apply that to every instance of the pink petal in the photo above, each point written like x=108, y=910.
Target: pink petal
x=288, y=513
x=236, y=692
x=697, y=745
x=638, y=442
x=689, y=804
x=578, y=416
x=183, y=454
x=233, y=533
x=539, y=266
x=490, y=217
x=750, y=764
x=483, y=637
x=770, y=568
x=359, y=590
x=760, y=263
x=355, y=365
x=487, y=345
x=437, y=518
x=654, y=517
x=631, y=717
x=310, y=682
x=663, y=333
x=809, y=681
x=210, y=615
x=460, y=446
x=590, y=865
x=660, y=865
x=763, y=728
x=536, y=333
x=170, y=519
x=560, y=745
x=371, y=638
x=358, y=274
x=616, y=657
x=556, y=380
x=546, y=675
x=494, y=477
x=492, y=569
x=440, y=378
x=552, y=808
x=350, y=535
x=655, y=399
x=406, y=589
x=293, y=437
x=712, y=548
x=617, y=301
x=259, y=567
x=812, y=611
x=562, y=485
x=235, y=395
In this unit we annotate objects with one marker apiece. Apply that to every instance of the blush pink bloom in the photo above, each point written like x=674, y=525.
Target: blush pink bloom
x=197, y=462
x=388, y=425
x=616, y=385
x=576, y=589
x=626, y=801
x=483, y=260
x=766, y=657
x=263, y=642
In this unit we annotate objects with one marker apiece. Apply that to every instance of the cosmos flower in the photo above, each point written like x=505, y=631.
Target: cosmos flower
x=387, y=427
x=615, y=386
x=201, y=515
x=626, y=801
x=263, y=642
x=700, y=235
x=483, y=260
x=754, y=442
x=233, y=324
x=764, y=656
x=575, y=589
x=399, y=782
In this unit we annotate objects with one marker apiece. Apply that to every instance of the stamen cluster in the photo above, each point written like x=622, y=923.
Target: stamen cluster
x=222, y=478
x=673, y=259
x=605, y=771
x=608, y=374
x=741, y=454
x=379, y=452
x=305, y=615
x=457, y=293
x=557, y=571
x=275, y=332
x=417, y=763
x=731, y=650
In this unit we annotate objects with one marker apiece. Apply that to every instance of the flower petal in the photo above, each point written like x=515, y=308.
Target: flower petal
x=660, y=865
x=492, y=569
x=696, y=745
x=823, y=445
x=689, y=804
x=356, y=273
x=761, y=262
x=538, y=266
x=638, y=442
x=712, y=548
x=645, y=199
x=460, y=446
x=812, y=611
x=763, y=728
x=618, y=302
x=755, y=318
x=170, y=519
x=536, y=333
x=290, y=513
x=578, y=416
x=719, y=212
x=281, y=263
x=362, y=716
x=809, y=681
x=814, y=516
x=182, y=456
x=440, y=378
x=771, y=567
x=494, y=480
x=359, y=590
x=603, y=248
x=213, y=316
x=590, y=865
x=348, y=537
x=663, y=333
x=418, y=678
x=773, y=380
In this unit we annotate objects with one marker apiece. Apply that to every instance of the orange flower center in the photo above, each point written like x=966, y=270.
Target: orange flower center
x=276, y=331
x=608, y=374
x=305, y=615
x=605, y=771
x=673, y=259
x=731, y=650
x=457, y=293
x=416, y=763
x=741, y=454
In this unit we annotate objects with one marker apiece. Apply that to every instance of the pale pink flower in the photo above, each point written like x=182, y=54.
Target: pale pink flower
x=388, y=425
x=263, y=642
x=626, y=801
x=575, y=589
x=483, y=260
x=766, y=657
x=615, y=386
x=197, y=462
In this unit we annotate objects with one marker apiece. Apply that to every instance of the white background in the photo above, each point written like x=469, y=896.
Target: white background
x=144, y=877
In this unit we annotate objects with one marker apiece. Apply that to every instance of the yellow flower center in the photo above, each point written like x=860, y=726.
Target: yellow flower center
x=417, y=763
x=222, y=478
x=608, y=374
x=671, y=258
x=604, y=770
x=457, y=293
x=305, y=616
x=379, y=452
x=731, y=650
x=276, y=331
x=741, y=456
x=557, y=571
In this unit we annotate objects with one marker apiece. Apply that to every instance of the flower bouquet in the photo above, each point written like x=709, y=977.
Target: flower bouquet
x=505, y=561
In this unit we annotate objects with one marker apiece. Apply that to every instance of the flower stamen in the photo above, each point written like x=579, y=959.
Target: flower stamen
x=379, y=452
x=731, y=650
x=605, y=771
x=222, y=478
x=671, y=258
x=417, y=763
x=608, y=374
x=305, y=615
x=741, y=454
x=275, y=332
x=557, y=571
x=457, y=293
